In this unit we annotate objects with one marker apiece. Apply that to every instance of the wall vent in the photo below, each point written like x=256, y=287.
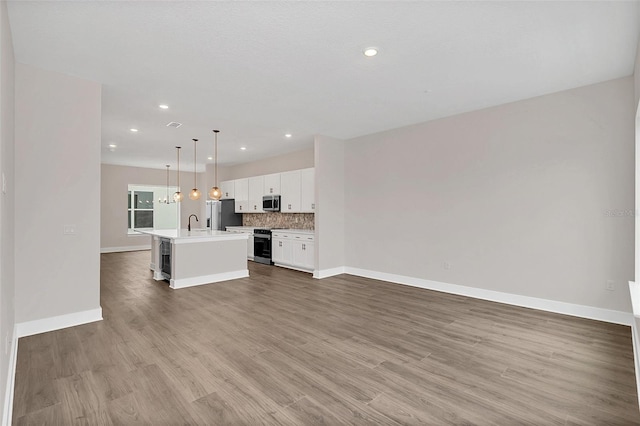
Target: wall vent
x=174, y=124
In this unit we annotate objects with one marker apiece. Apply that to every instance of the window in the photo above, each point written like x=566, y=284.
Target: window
x=147, y=208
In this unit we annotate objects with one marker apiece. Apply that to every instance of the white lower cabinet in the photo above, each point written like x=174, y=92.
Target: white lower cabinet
x=281, y=251
x=293, y=250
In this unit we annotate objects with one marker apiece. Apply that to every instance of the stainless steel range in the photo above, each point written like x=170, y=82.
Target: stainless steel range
x=262, y=245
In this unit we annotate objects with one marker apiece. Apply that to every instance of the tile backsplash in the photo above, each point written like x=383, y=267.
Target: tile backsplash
x=279, y=220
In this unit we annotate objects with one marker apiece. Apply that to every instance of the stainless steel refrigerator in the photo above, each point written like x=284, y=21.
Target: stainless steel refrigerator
x=221, y=214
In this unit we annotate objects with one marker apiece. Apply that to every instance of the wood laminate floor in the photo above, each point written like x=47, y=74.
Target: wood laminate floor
x=282, y=348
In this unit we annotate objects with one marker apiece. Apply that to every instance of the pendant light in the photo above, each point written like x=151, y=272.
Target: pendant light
x=194, y=194
x=167, y=200
x=178, y=195
x=215, y=193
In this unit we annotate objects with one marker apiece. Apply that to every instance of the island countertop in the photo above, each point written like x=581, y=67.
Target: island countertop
x=179, y=236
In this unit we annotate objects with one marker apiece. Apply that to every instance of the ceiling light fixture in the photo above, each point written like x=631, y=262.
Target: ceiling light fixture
x=215, y=193
x=178, y=195
x=209, y=158
x=163, y=106
x=370, y=51
x=113, y=145
x=288, y=135
x=133, y=130
x=194, y=194
x=243, y=148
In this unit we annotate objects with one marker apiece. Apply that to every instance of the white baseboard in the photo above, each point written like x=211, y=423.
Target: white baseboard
x=634, y=292
x=43, y=325
x=208, y=279
x=582, y=311
x=7, y=412
x=326, y=273
x=126, y=248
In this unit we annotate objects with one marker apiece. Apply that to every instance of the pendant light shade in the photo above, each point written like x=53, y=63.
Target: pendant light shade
x=194, y=194
x=215, y=193
x=177, y=197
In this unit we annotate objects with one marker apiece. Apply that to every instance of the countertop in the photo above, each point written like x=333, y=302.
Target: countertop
x=295, y=231
x=195, y=235
x=244, y=228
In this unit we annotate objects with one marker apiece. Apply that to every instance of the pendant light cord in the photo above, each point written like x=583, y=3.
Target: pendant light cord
x=215, y=160
x=167, y=184
x=178, y=151
x=195, y=185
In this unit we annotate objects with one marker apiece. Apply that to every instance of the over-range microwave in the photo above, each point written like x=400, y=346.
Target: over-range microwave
x=271, y=203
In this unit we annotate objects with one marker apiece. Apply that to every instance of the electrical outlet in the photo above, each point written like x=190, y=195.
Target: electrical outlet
x=447, y=265
x=609, y=285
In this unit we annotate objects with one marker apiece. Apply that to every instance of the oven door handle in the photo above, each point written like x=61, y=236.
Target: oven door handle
x=267, y=237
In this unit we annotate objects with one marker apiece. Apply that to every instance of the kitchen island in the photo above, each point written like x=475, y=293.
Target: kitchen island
x=200, y=256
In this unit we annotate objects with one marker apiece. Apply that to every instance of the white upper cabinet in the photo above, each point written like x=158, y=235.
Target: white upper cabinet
x=296, y=189
x=272, y=184
x=227, y=189
x=307, y=191
x=290, y=188
x=241, y=192
x=256, y=190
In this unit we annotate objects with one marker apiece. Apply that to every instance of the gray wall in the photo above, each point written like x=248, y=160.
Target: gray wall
x=636, y=74
x=113, y=202
x=57, y=153
x=532, y=198
x=7, y=204
x=636, y=82
x=330, y=200
x=281, y=163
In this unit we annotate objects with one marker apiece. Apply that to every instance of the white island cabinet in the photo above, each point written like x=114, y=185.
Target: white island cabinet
x=246, y=230
x=197, y=257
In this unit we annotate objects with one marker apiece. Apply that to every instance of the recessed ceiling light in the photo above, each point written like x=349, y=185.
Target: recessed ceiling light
x=209, y=158
x=370, y=51
x=134, y=130
x=243, y=148
x=288, y=135
x=112, y=145
x=163, y=106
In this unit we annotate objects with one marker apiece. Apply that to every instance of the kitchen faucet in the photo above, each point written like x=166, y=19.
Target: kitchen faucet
x=189, y=225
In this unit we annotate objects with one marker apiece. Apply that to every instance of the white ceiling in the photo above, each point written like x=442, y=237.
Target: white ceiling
x=257, y=70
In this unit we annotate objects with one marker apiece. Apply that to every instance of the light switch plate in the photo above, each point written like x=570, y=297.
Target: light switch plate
x=69, y=230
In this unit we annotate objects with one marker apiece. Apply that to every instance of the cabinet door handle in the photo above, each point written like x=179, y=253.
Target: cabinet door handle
x=279, y=243
x=270, y=190
x=254, y=207
x=303, y=247
x=240, y=207
x=313, y=206
x=289, y=206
